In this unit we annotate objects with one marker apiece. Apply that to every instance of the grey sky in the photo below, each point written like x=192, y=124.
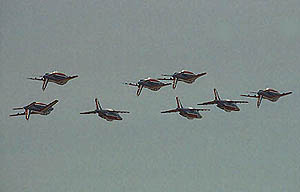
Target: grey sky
x=242, y=45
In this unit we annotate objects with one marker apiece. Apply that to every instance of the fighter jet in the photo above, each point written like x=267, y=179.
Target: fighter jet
x=107, y=114
x=189, y=113
x=152, y=84
x=55, y=77
x=268, y=93
x=35, y=108
x=184, y=76
x=226, y=105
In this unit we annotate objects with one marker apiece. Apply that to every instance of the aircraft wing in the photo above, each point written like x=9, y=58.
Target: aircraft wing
x=17, y=114
x=120, y=111
x=253, y=96
x=171, y=78
x=167, y=84
x=89, y=112
x=131, y=84
x=208, y=103
x=237, y=101
x=49, y=105
x=170, y=111
x=35, y=78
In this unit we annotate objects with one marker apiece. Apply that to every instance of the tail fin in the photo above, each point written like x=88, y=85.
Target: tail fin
x=175, y=80
x=179, y=105
x=217, y=97
x=45, y=83
x=98, y=106
x=259, y=101
x=27, y=114
x=139, y=90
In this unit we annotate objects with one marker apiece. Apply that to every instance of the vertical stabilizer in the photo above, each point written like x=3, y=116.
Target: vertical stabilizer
x=217, y=97
x=139, y=90
x=259, y=101
x=27, y=114
x=175, y=80
x=45, y=83
x=98, y=106
x=179, y=105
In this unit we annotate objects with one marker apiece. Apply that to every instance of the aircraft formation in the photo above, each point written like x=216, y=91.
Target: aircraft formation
x=152, y=84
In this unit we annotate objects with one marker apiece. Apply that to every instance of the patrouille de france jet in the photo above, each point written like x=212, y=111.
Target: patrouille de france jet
x=226, y=105
x=268, y=93
x=189, y=113
x=149, y=83
x=108, y=114
x=35, y=108
x=184, y=76
x=55, y=77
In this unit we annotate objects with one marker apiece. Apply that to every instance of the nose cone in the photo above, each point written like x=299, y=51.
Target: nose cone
x=237, y=109
x=73, y=77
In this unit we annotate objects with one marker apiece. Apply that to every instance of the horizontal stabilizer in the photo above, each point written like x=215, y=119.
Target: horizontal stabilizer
x=131, y=84
x=201, y=109
x=35, y=78
x=207, y=103
x=17, y=114
x=170, y=111
x=237, y=101
x=89, y=112
x=18, y=108
x=120, y=111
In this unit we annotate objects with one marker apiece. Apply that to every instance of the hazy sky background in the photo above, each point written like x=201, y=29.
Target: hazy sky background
x=242, y=45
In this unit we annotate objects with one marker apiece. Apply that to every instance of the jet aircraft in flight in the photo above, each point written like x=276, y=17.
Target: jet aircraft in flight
x=226, y=105
x=152, y=84
x=108, y=114
x=55, y=77
x=268, y=93
x=184, y=76
x=189, y=113
x=35, y=108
